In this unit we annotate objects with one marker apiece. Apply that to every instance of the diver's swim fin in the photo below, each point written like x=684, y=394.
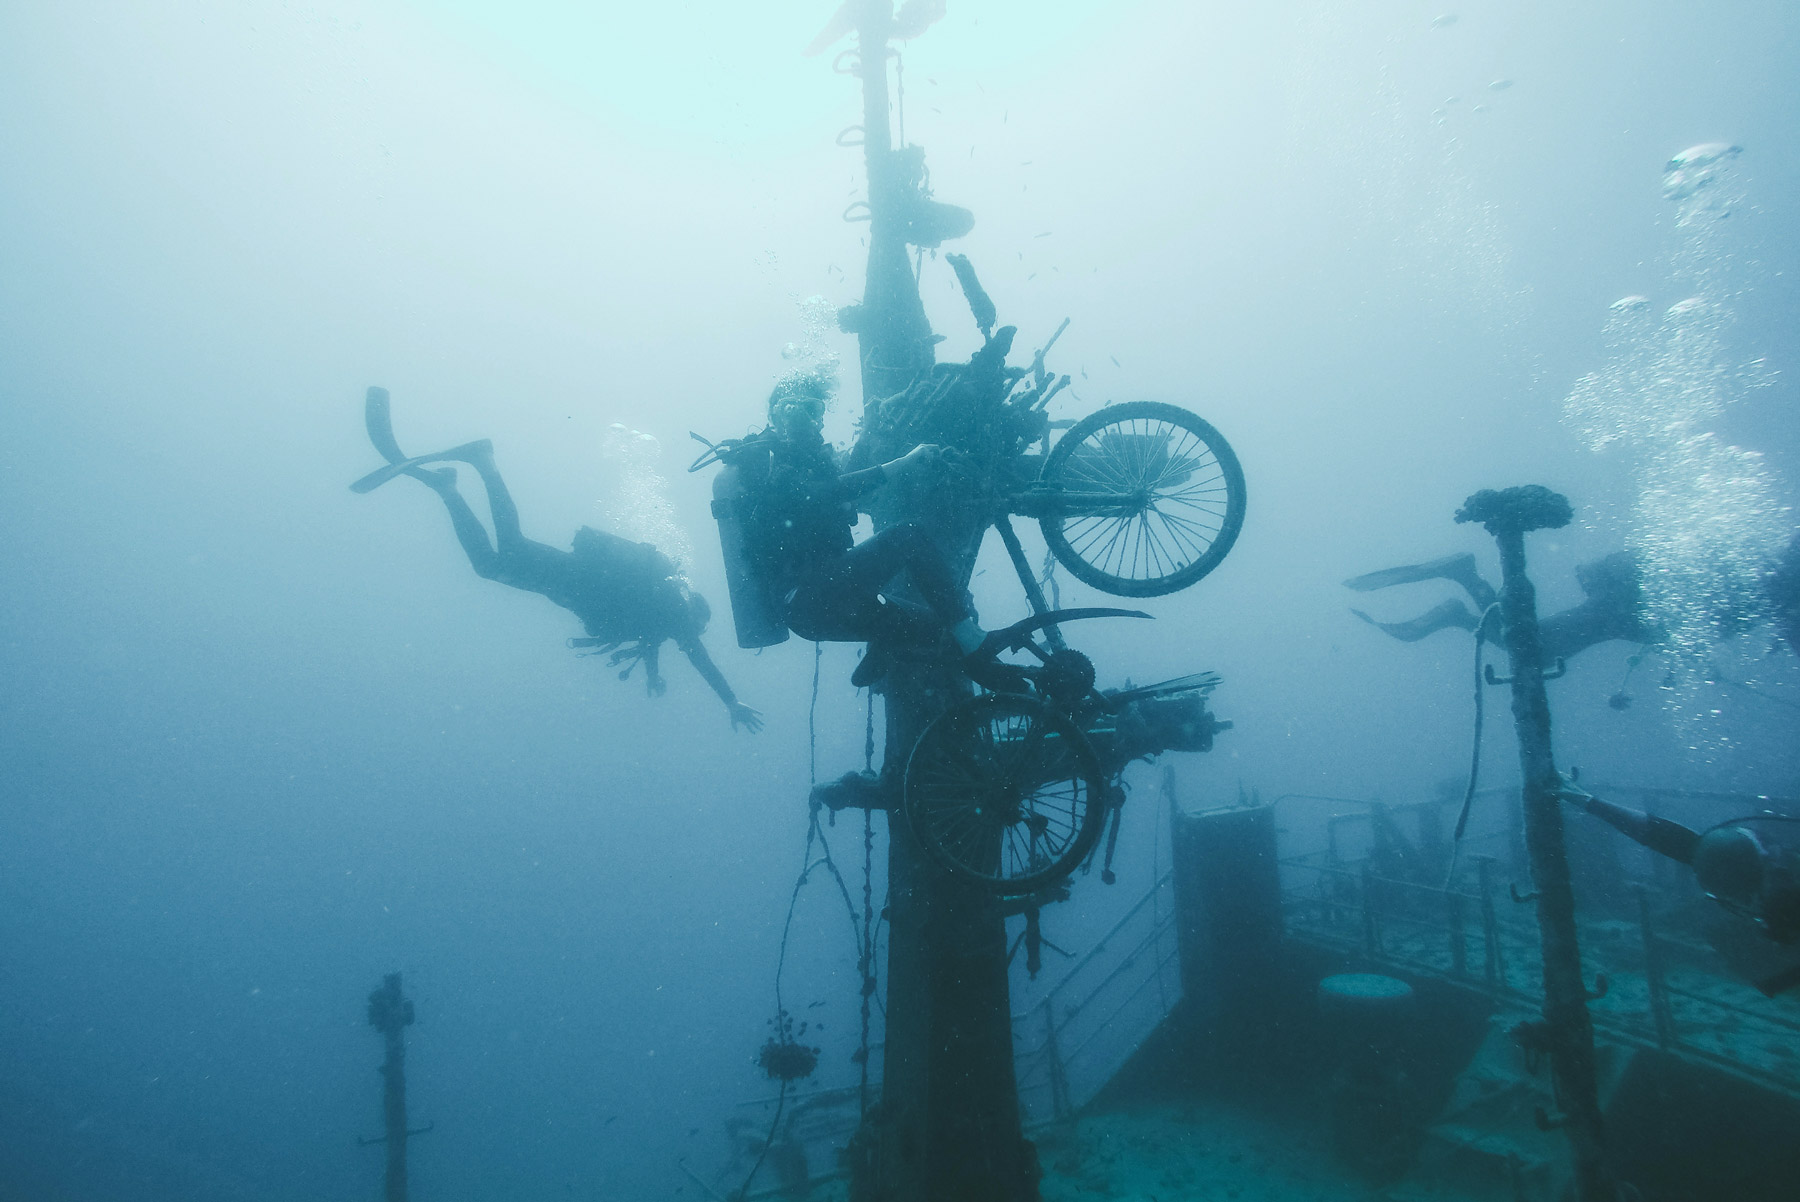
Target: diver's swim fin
x=462, y=454
x=381, y=425
x=1446, y=615
x=1458, y=569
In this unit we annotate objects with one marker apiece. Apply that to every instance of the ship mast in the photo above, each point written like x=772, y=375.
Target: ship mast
x=948, y=1123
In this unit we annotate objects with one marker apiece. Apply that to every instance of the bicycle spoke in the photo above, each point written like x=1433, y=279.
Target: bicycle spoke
x=1183, y=534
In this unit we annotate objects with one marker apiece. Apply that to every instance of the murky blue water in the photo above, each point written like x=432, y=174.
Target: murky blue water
x=264, y=740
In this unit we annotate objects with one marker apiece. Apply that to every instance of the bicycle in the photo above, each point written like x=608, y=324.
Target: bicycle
x=1013, y=788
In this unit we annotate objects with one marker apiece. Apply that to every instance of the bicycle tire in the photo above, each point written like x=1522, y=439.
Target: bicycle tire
x=1004, y=790
x=1112, y=449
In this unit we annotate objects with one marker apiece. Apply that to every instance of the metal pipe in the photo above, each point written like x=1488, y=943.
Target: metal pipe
x=390, y=1013
x=1660, y=1016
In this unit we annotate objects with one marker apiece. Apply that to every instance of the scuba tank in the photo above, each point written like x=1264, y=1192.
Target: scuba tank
x=755, y=609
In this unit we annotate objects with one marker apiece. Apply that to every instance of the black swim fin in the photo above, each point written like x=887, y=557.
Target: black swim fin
x=380, y=476
x=381, y=425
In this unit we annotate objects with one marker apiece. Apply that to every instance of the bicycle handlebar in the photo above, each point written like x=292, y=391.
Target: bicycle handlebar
x=1018, y=636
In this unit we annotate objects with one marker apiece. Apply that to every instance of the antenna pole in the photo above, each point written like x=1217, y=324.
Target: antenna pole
x=391, y=1014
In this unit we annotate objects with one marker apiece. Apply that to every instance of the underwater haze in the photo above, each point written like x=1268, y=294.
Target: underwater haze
x=265, y=740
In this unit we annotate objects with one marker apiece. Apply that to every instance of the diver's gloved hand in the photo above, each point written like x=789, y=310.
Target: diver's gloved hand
x=1571, y=791
x=923, y=460
x=743, y=715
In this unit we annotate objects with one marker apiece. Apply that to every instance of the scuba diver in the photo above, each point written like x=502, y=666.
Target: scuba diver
x=1736, y=866
x=629, y=596
x=790, y=513
x=1613, y=609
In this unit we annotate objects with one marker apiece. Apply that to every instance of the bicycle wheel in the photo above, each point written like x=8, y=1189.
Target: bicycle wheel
x=1155, y=498
x=1004, y=790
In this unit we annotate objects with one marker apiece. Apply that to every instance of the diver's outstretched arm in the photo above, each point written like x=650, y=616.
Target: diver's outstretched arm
x=1451, y=615
x=1660, y=835
x=1458, y=569
x=741, y=714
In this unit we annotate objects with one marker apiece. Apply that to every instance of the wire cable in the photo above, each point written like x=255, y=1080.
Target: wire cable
x=1468, y=801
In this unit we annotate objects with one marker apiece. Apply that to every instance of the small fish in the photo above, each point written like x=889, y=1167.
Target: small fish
x=1444, y=22
x=693, y=1131
x=610, y=1120
x=1500, y=85
x=815, y=1005
x=1045, y=234
x=1084, y=374
x=1115, y=360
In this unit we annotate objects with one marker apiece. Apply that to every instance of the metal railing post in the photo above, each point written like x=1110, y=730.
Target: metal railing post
x=1371, y=934
x=1661, y=1016
x=1493, y=966
x=1059, y=1081
x=1459, y=951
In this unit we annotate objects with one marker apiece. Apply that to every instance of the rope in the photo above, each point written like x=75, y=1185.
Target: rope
x=743, y=1191
x=812, y=720
x=868, y=917
x=814, y=832
x=864, y=935
x=1049, y=583
x=868, y=959
x=1468, y=801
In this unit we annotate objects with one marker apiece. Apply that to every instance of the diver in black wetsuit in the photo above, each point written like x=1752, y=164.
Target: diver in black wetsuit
x=1612, y=609
x=629, y=596
x=798, y=529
